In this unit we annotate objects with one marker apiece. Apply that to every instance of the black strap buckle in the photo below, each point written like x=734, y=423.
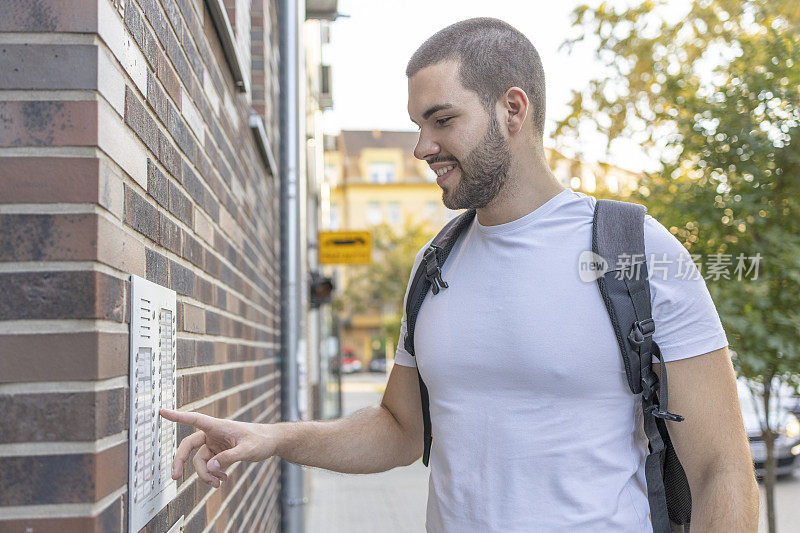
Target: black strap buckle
x=433, y=272
x=641, y=330
x=655, y=410
x=650, y=385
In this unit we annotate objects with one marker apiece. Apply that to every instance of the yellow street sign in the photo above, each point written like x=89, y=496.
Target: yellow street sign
x=345, y=247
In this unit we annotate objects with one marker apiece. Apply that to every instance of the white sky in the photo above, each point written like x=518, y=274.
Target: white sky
x=370, y=49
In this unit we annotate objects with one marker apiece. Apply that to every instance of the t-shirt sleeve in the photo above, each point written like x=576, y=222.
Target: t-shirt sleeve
x=687, y=322
x=401, y=356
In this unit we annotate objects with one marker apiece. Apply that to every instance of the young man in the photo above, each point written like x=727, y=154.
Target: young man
x=535, y=427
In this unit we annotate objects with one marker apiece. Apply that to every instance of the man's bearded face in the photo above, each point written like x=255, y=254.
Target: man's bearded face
x=484, y=171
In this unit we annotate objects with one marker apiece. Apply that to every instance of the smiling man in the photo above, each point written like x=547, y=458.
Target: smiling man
x=535, y=427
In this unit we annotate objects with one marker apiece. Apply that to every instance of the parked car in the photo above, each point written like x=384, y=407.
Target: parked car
x=350, y=364
x=784, y=415
x=377, y=365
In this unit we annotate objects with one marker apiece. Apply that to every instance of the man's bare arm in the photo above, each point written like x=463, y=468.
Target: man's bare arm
x=712, y=444
x=371, y=440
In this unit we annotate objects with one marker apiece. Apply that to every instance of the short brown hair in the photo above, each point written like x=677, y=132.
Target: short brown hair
x=493, y=55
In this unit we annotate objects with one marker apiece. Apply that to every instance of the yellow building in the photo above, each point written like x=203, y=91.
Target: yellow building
x=372, y=177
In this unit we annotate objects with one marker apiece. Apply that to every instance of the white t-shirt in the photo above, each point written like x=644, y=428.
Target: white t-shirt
x=534, y=426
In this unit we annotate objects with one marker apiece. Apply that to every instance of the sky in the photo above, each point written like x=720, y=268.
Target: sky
x=369, y=51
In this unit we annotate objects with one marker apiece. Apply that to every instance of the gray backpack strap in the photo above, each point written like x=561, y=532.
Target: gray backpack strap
x=428, y=276
x=618, y=237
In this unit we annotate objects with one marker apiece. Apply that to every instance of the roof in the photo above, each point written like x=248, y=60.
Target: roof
x=352, y=142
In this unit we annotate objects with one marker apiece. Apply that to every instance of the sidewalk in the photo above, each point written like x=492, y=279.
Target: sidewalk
x=395, y=501
x=390, y=502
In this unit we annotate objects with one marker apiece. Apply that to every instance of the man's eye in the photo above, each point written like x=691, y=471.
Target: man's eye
x=442, y=121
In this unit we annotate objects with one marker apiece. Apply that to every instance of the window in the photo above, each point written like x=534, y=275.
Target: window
x=382, y=172
x=331, y=173
x=393, y=214
x=334, y=217
x=374, y=213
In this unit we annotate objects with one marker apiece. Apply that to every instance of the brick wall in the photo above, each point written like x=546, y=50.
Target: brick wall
x=125, y=149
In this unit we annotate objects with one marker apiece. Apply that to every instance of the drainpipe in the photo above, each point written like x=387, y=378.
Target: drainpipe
x=292, y=490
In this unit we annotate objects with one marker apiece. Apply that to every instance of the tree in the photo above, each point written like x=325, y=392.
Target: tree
x=714, y=96
x=379, y=288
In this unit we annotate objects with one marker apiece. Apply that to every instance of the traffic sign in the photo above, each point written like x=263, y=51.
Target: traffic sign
x=345, y=247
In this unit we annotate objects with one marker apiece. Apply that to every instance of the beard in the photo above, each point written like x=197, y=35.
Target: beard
x=484, y=172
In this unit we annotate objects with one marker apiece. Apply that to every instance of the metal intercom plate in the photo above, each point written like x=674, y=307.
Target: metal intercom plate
x=152, y=386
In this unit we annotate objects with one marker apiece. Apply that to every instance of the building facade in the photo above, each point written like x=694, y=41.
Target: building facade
x=137, y=137
x=373, y=178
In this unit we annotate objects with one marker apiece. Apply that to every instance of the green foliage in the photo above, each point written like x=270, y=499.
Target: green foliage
x=379, y=288
x=714, y=96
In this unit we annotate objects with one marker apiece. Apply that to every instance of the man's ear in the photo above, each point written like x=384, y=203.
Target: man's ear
x=515, y=108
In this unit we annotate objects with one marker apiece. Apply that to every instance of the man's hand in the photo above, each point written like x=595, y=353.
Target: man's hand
x=219, y=444
x=374, y=439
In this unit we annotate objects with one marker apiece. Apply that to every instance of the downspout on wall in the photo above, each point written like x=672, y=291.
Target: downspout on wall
x=292, y=485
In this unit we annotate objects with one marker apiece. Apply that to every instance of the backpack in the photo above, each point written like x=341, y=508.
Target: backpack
x=617, y=231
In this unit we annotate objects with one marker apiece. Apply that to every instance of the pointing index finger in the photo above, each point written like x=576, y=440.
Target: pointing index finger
x=198, y=420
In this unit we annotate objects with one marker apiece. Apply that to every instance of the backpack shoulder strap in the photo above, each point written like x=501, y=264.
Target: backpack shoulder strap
x=618, y=238
x=429, y=276
x=429, y=272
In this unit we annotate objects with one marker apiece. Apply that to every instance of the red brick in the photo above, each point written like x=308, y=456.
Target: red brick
x=168, y=155
x=179, y=204
x=83, y=237
x=204, y=291
x=34, y=123
x=176, y=54
x=186, y=352
x=157, y=98
x=108, y=520
x=157, y=184
x=141, y=34
x=48, y=179
x=170, y=80
x=48, y=237
x=111, y=191
x=157, y=267
x=140, y=121
x=47, y=66
x=194, y=319
x=205, y=353
x=180, y=132
x=192, y=250
x=69, y=478
x=152, y=10
x=181, y=279
x=192, y=54
x=49, y=15
x=44, y=415
x=63, y=356
x=118, y=249
x=140, y=214
x=169, y=235
x=62, y=295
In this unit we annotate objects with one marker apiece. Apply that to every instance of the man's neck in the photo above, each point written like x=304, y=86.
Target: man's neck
x=530, y=184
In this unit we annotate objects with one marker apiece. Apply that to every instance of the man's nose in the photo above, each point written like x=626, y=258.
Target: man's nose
x=426, y=147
